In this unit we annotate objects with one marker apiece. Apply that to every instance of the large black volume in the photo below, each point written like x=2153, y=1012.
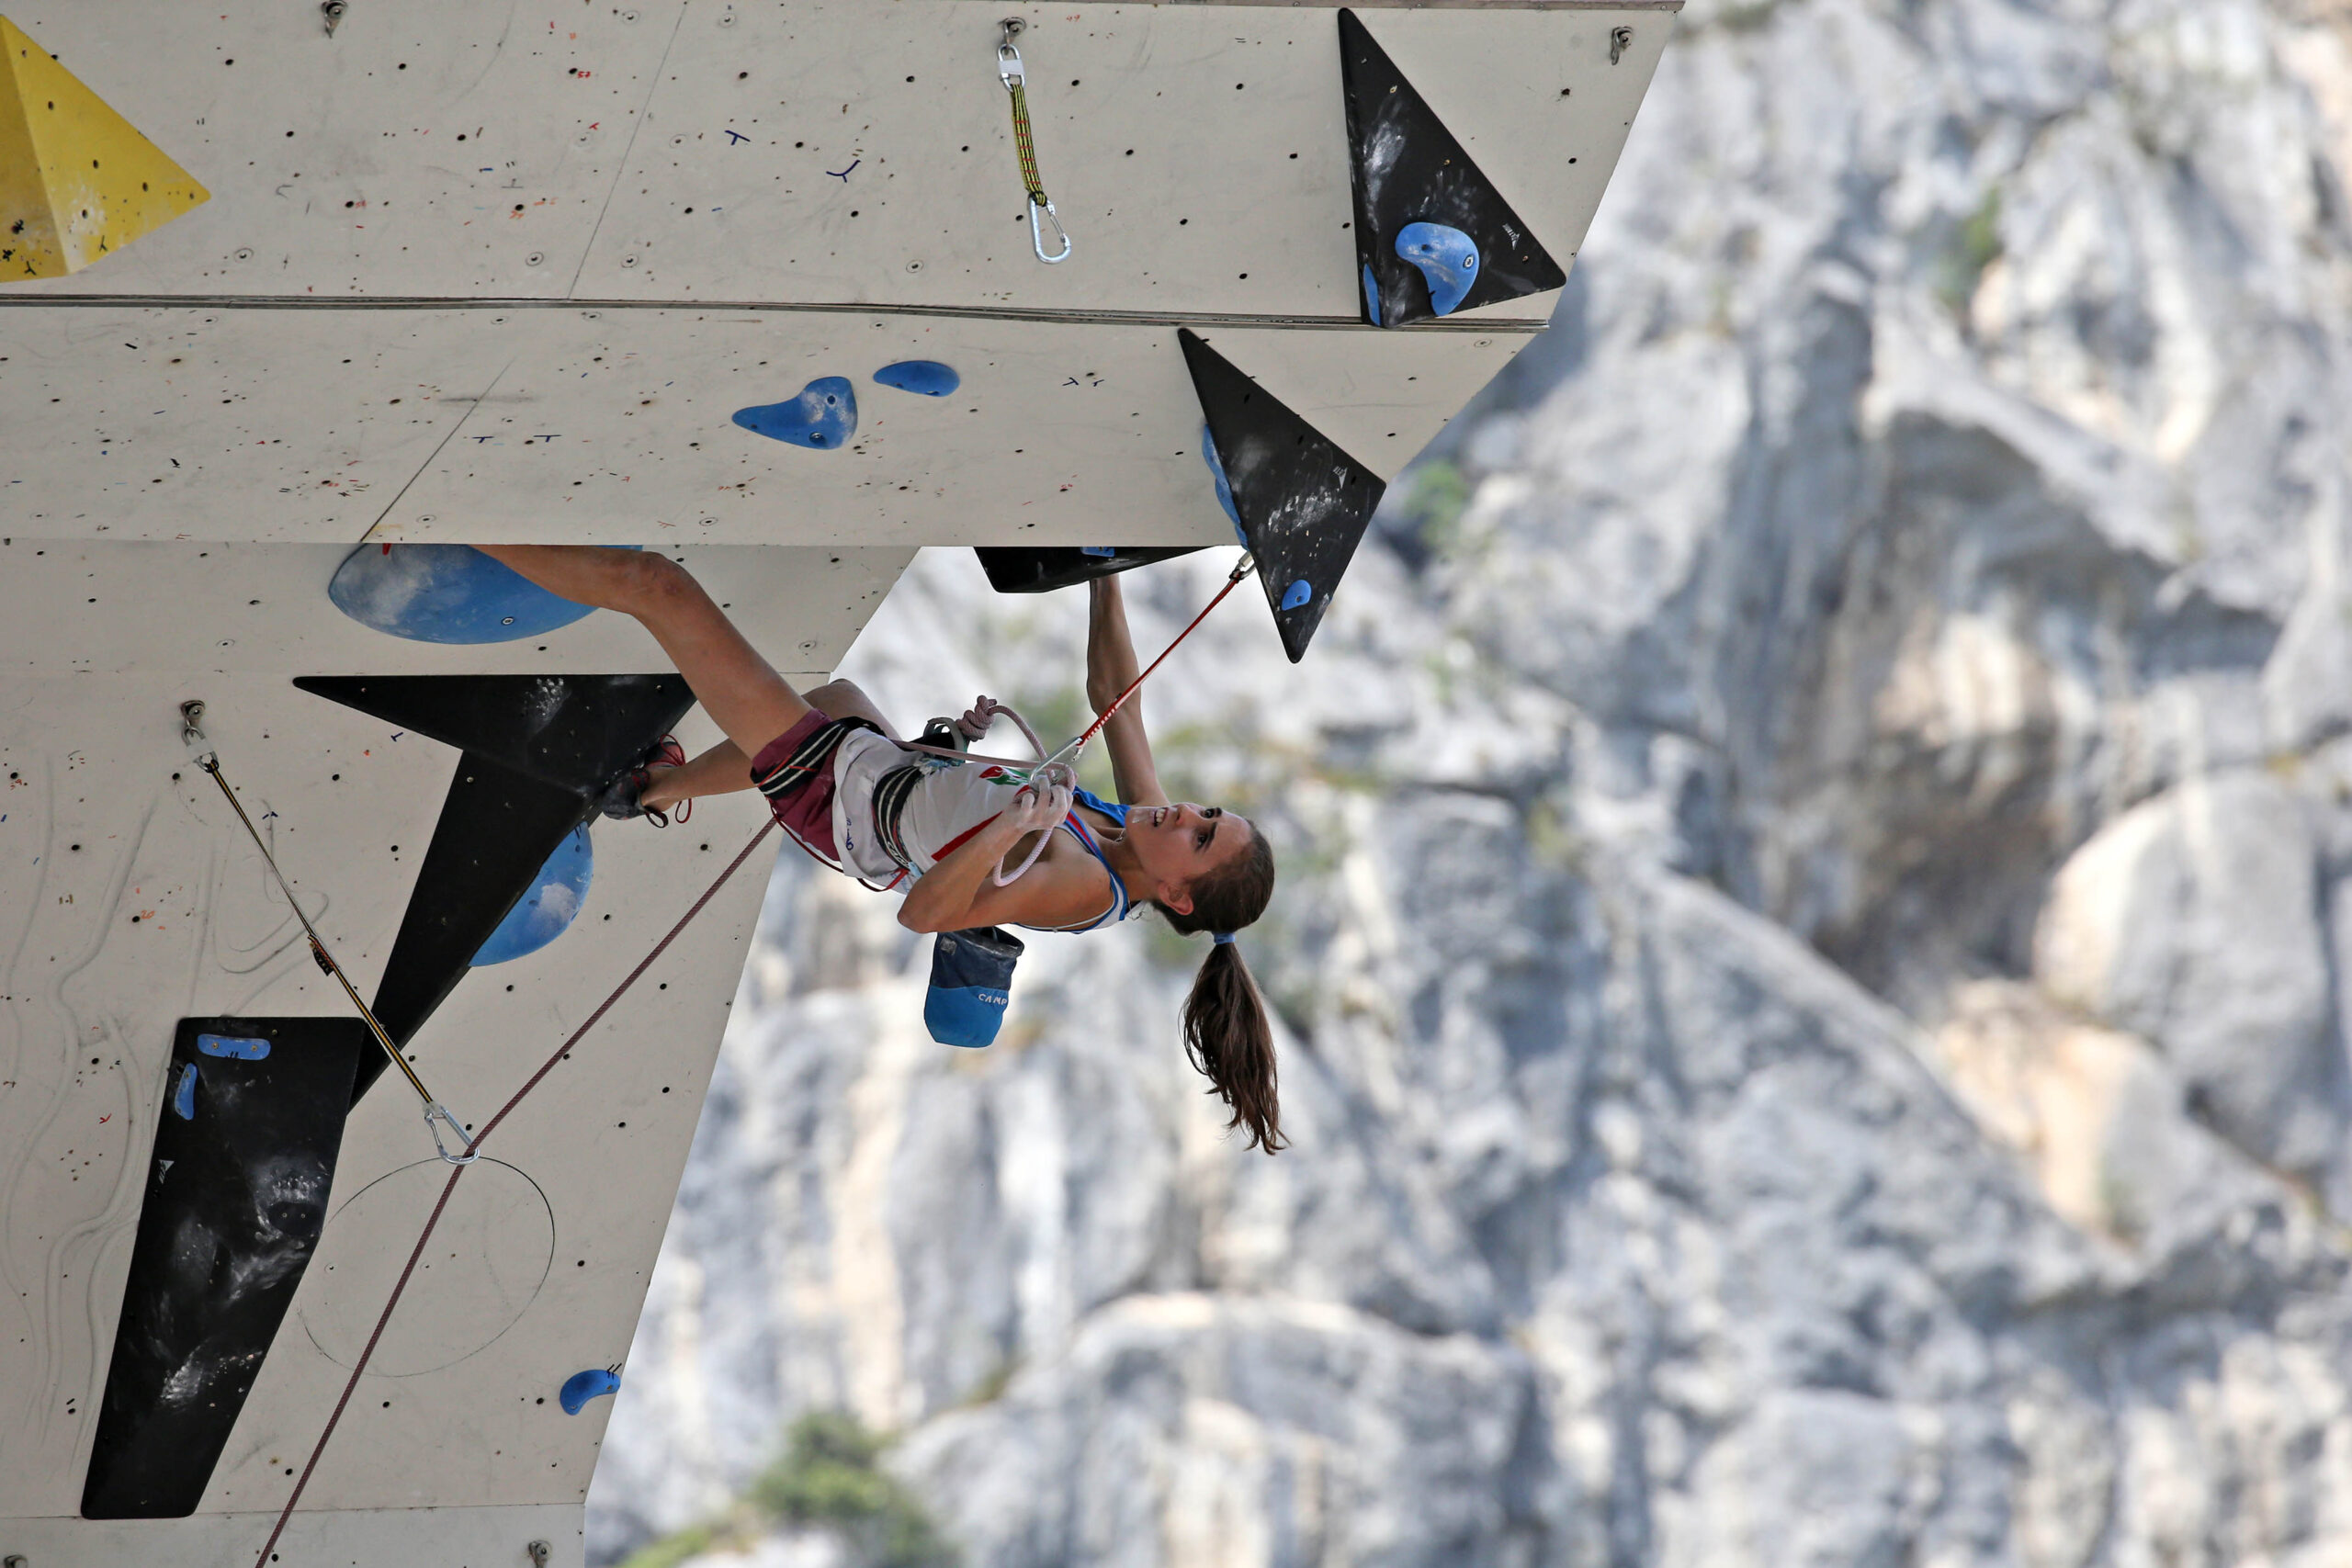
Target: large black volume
x=245, y=1146
x=1304, y=502
x=538, y=751
x=1408, y=168
x=1020, y=568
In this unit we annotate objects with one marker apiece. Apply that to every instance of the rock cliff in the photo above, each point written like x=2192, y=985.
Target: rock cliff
x=1814, y=922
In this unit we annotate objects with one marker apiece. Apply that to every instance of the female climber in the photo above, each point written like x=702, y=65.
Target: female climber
x=837, y=779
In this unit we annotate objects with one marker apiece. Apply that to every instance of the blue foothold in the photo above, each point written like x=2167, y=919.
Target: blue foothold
x=1297, y=594
x=928, y=376
x=547, y=911
x=1223, y=489
x=822, y=418
x=243, y=1048
x=1448, y=260
x=1372, y=296
x=580, y=1387
x=184, y=1098
x=1105, y=551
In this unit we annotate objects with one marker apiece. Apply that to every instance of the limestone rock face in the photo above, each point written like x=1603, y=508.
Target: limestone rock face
x=1813, y=936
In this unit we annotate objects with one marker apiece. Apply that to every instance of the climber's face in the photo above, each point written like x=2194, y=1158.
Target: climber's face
x=1178, y=844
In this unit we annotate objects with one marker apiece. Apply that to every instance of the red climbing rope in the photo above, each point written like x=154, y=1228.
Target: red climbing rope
x=360, y=1367
x=1240, y=570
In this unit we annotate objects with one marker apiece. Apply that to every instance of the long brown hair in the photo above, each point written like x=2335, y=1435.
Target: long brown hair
x=1225, y=1031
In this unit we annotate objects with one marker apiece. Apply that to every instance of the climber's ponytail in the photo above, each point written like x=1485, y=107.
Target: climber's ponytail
x=1225, y=1031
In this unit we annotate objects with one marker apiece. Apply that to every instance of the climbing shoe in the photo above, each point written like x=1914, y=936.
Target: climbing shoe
x=623, y=797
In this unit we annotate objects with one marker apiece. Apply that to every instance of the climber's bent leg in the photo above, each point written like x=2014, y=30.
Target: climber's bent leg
x=738, y=689
x=847, y=699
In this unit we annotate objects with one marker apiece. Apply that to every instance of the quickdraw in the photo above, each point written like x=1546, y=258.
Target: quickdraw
x=437, y=1115
x=1009, y=71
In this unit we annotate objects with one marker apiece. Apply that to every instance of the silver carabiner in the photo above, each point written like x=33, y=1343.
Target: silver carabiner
x=1008, y=58
x=1037, y=235
x=436, y=1112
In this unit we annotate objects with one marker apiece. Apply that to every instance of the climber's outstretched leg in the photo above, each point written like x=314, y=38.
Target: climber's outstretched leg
x=738, y=689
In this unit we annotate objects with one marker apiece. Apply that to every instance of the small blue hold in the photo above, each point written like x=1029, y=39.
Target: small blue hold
x=1297, y=594
x=1223, y=489
x=1372, y=296
x=1447, y=258
x=1105, y=551
x=824, y=416
x=928, y=376
x=582, y=1387
x=242, y=1048
x=184, y=1098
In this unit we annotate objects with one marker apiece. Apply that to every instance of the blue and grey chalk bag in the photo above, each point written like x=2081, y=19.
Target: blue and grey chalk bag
x=971, y=981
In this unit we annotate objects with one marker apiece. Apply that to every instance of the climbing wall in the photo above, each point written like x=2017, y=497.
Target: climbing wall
x=753, y=285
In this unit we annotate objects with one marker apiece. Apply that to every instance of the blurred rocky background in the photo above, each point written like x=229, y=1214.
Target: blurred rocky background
x=1814, y=934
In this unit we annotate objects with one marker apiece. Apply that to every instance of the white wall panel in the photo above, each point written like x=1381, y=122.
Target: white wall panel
x=615, y=426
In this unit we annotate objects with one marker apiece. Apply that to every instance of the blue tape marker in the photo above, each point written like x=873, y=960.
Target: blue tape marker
x=580, y=1387
x=1297, y=594
x=1447, y=257
x=184, y=1098
x=1372, y=296
x=928, y=376
x=243, y=1048
x=822, y=418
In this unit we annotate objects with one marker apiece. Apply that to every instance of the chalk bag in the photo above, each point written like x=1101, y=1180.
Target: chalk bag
x=971, y=981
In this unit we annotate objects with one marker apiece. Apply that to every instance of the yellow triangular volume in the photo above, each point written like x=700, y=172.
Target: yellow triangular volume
x=76, y=180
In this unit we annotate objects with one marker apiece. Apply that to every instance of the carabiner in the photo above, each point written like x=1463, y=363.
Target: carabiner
x=1008, y=58
x=1037, y=235
x=435, y=1112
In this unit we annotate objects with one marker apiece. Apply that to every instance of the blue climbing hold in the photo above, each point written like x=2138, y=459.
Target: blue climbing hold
x=243, y=1048
x=184, y=1098
x=823, y=417
x=1105, y=551
x=580, y=1387
x=1224, y=488
x=928, y=376
x=1372, y=296
x=547, y=911
x=445, y=594
x=1297, y=594
x=1448, y=259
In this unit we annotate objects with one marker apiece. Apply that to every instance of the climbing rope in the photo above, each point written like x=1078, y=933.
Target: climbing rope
x=359, y=1367
x=437, y=1115
x=1059, y=770
x=1010, y=72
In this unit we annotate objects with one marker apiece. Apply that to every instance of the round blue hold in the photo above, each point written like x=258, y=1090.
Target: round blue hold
x=1224, y=488
x=580, y=1387
x=822, y=418
x=547, y=910
x=928, y=376
x=1447, y=257
x=1297, y=594
x=445, y=594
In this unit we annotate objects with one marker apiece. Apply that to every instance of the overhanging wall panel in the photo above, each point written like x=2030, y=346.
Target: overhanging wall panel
x=701, y=153
x=613, y=425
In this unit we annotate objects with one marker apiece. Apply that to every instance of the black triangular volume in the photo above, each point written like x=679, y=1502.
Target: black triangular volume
x=1304, y=502
x=576, y=732
x=1408, y=168
x=539, y=749
x=497, y=829
x=1016, y=568
x=245, y=1146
